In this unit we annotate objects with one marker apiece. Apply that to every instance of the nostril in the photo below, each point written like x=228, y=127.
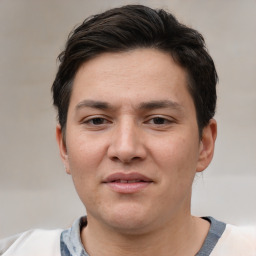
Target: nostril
x=136, y=158
x=115, y=159
x=126, y=160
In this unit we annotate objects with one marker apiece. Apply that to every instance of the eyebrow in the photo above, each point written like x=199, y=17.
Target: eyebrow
x=160, y=104
x=93, y=104
x=150, y=105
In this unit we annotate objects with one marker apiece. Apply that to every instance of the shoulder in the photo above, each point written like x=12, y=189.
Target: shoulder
x=33, y=242
x=237, y=241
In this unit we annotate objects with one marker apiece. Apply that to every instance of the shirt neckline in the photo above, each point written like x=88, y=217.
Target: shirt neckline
x=71, y=245
x=215, y=232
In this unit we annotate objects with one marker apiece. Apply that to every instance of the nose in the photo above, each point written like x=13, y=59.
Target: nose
x=126, y=143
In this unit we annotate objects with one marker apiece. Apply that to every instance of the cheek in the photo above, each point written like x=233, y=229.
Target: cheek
x=84, y=153
x=84, y=159
x=177, y=156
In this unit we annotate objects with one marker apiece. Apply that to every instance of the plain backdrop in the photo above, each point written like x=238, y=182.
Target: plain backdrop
x=35, y=191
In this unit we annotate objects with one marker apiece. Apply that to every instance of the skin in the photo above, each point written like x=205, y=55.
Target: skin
x=131, y=112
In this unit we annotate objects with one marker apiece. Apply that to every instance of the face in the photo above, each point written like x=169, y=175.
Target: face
x=132, y=143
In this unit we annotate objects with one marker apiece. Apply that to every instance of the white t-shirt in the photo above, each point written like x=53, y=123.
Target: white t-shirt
x=222, y=240
x=236, y=241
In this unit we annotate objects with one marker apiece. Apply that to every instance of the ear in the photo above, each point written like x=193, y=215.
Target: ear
x=207, y=144
x=62, y=148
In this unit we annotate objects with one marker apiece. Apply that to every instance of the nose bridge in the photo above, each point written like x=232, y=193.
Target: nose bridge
x=127, y=133
x=126, y=142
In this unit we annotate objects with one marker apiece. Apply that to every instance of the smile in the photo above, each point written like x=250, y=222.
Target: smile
x=127, y=183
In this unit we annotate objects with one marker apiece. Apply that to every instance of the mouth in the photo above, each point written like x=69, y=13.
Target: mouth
x=127, y=183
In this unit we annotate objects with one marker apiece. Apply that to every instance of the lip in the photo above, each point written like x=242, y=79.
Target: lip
x=126, y=176
x=127, y=183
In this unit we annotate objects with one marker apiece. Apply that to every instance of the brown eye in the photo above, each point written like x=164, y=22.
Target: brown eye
x=159, y=120
x=97, y=121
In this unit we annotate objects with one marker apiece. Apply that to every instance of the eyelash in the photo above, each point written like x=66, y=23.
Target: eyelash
x=90, y=121
x=99, y=121
x=159, y=118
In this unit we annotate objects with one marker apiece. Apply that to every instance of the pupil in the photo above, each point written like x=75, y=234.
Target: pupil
x=158, y=120
x=97, y=120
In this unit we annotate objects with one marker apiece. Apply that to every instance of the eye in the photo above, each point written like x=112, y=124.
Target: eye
x=96, y=121
x=159, y=120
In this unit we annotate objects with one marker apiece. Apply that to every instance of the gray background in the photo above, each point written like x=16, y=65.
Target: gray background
x=34, y=189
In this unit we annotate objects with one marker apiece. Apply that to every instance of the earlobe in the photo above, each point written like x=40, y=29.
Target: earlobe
x=207, y=145
x=62, y=148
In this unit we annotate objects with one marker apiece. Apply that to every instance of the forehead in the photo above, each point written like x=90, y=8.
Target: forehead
x=135, y=75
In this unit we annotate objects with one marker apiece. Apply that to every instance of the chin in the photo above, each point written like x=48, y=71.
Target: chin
x=132, y=219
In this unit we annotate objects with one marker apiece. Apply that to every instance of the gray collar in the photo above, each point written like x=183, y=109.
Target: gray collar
x=71, y=245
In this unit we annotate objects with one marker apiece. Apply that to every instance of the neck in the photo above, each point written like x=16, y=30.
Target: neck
x=166, y=240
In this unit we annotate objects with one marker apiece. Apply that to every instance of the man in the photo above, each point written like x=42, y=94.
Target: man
x=135, y=94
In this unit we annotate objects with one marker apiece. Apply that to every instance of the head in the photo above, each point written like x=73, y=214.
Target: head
x=134, y=27
x=135, y=93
